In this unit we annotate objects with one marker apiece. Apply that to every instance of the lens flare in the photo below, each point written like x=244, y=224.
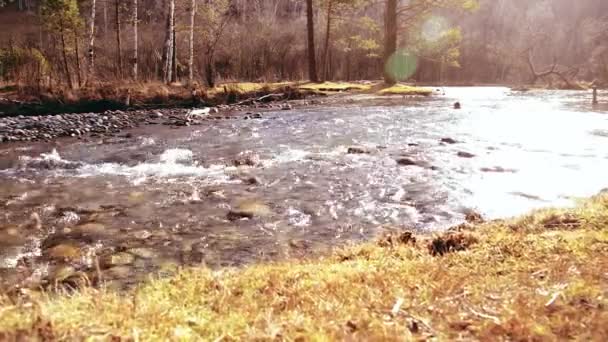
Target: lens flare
x=434, y=28
x=401, y=65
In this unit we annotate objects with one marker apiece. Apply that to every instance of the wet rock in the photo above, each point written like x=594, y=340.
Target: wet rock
x=471, y=216
x=61, y=273
x=451, y=242
x=118, y=259
x=358, y=150
x=252, y=180
x=406, y=162
x=143, y=252
x=463, y=154
x=90, y=229
x=497, y=169
x=11, y=236
x=449, y=141
x=64, y=252
x=118, y=272
x=286, y=107
x=247, y=159
x=249, y=209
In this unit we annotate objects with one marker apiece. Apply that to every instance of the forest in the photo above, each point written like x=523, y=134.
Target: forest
x=70, y=43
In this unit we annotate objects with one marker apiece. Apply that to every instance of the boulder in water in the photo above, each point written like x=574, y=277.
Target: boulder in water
x=406, y=162
x=462, y=154
x=247, y=159
x=118, y=259
x=358, y=150
x=449, y=141
x=249, y=209
x=65, y=252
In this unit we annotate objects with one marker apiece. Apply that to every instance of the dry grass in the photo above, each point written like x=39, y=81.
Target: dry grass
x=402, y=89
x=329, y=87
x=539, y=277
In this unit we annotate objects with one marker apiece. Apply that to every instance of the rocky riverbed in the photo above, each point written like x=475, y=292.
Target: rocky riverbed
x=238, y=187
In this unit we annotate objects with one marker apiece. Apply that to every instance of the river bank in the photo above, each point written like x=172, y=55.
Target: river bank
x=540, y=276
x=104, y=112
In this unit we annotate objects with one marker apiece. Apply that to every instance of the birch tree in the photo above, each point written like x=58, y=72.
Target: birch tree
x=91, y=52
x=191, y=43
x=168, y=49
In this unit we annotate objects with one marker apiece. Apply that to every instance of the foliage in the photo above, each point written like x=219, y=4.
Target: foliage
x=14, y=62
x=61, y=15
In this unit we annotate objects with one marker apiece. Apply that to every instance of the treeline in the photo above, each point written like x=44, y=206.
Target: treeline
x=59, y=43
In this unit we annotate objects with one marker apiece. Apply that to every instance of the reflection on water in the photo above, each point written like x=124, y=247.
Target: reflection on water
x=178, y=197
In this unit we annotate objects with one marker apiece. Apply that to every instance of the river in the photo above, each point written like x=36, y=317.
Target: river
x=122, y=208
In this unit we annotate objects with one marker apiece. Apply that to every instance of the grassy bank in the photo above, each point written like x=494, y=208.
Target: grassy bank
x=538, y=277
x=15, y=100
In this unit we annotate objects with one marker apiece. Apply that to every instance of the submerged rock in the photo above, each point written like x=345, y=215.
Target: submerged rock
x=498, y=169
x=118, y=259
x=406, y=162
x=247, y=159
x=449, y=141
x=358, y=150
x=462, y=154
x=65, y=252
x=249, y=209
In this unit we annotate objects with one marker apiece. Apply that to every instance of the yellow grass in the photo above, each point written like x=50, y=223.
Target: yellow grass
x=335, y=86
x=539, y=277
x=402, y=89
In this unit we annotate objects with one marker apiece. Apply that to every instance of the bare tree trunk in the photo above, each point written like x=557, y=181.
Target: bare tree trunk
x=105, y=16
x=77, y=50
x=390, y=38
x=91, y=54
x=118, y=40
x=174, y=54
x=65, y=57
x=135, y=40
x=168, y=56
x=310, y=25
x=327, y=34
x=191, y=47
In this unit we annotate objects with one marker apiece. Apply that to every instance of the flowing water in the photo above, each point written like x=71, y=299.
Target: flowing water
x=162, y=196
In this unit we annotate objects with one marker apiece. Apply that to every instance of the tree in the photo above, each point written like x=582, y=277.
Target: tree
x=332, y=8
x=91, y=54
x=390, y=38
x=310, y=25
x=215, y=15
x=191, y=42
x=135, y=39
x=168, y=50
x=118, y=38
x=62, y=17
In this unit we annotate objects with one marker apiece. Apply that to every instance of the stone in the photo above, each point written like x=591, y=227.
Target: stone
x=62, y=273
x=462, y=154
x=90, y=229
x=498, y=169
x=406, y=162
x=65, y=252
x=249, y=209
x=358, y=150
x=142, y=252
x=247, y=159
x=118, y=259
x=449, y=141
x=117, y=272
